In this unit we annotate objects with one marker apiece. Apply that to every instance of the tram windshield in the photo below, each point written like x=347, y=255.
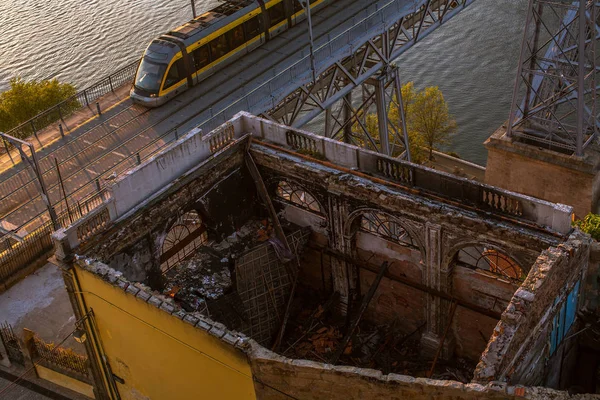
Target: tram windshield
x=149, y=75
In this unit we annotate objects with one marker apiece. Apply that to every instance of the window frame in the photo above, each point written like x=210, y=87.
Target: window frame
x=180, y=68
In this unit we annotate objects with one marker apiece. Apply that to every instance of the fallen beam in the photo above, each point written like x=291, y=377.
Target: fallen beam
x=363, y=307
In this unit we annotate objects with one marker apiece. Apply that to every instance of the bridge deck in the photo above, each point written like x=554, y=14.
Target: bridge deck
x=110, y=143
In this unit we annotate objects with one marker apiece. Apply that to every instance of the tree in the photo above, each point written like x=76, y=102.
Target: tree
x=429, y=117
x=26, y=99
x=428, y=122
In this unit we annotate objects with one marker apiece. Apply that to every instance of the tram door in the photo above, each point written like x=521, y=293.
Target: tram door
x=277, y=18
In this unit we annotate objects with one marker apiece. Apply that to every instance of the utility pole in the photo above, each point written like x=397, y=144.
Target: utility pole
x=32, y=161
x=193, y=8
x=306, y=5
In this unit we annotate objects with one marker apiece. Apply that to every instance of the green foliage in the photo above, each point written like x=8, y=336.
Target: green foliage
x=590, y=224
x=428, y=121
x=430, y=118
x=24, y=100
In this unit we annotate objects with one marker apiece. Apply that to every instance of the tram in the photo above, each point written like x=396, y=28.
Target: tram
x=183, y=57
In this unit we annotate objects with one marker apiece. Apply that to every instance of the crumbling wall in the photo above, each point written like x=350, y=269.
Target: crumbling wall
x=439, y=230
x=221, y=193
x=519, y=347
x=473, y=330
x=280, y=378
x=392, y=300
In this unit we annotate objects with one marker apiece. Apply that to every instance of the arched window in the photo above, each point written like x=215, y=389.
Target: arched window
x=487, y=259
x=381, y=224
x=184, y=237
x=296, y=195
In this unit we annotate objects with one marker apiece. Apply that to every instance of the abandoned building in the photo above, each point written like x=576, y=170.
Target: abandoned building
x=261, y=261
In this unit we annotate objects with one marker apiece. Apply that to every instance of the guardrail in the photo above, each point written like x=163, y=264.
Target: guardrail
x=79, y=100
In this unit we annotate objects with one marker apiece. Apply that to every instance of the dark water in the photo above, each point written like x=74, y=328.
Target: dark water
x=472, y=58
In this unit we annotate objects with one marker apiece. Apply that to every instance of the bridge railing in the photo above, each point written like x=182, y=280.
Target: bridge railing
x=79, y=100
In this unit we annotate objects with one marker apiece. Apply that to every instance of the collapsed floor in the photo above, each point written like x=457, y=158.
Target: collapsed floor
x=215, y=280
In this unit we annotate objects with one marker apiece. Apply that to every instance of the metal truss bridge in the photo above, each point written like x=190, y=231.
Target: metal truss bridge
x=355, y=43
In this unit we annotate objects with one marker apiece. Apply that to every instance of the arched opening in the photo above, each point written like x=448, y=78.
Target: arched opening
x=486, y=276
x=296, y=195
x=382, y=225
x=380, y=237
x=491, y=260
x=182, y=240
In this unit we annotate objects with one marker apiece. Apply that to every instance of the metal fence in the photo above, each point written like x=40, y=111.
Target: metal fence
x=59, y=359
x=81, y=99
x=11, y=344
x=20, y=254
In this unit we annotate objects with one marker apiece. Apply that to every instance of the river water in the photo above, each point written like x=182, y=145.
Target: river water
x=472, y=58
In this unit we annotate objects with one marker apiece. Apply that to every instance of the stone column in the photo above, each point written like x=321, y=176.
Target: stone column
x=437, y=277
x=343, y=274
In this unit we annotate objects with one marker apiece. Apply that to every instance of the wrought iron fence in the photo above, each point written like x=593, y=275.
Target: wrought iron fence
x=11, y=344
x=21, y=254
x=58, y=358
x=81, y=99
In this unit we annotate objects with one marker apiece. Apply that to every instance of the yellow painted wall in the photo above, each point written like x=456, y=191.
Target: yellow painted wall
x=65, y=381
x=160, y=356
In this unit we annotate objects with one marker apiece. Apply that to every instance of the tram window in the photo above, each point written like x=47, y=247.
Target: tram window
x=277, y=14
x=252, y=27
x=218, y=47
x=175, y=73
x=235, y=37
x=201, y=57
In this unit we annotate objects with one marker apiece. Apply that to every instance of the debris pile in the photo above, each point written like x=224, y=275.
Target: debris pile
x=317, y=332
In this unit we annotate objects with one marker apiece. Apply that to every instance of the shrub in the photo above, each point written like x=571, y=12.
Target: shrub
x=26, y=99
x=590, y=224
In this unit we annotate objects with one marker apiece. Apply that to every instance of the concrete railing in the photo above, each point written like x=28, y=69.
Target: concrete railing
x=490, y=199
x=150, y=179
x=156, y=175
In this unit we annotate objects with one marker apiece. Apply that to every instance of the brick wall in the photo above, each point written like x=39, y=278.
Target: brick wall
x=519, y=345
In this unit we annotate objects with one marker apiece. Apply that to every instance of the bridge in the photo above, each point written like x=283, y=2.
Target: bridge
x=355, y=43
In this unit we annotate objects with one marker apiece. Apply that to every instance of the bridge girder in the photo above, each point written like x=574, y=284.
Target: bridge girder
x=369, y=67
x=554, y=97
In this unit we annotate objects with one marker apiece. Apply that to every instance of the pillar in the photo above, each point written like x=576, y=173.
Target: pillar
x=343, y=274
x=437, y=311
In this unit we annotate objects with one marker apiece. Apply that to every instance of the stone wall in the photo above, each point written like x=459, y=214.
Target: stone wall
x=543, y=173
x=520, y=342
x=277, y=377
x=221, y=194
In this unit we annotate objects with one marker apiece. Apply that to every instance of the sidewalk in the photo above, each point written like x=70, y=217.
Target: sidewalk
x=40, y=303
x=30, y=387
x=49, y=138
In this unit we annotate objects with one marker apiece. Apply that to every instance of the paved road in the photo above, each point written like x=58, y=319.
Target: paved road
x=95, y=150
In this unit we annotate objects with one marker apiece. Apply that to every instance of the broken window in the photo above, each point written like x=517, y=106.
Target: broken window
x=296, y=195
x=494, y=261
x=184, y=237
x=381, y=224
